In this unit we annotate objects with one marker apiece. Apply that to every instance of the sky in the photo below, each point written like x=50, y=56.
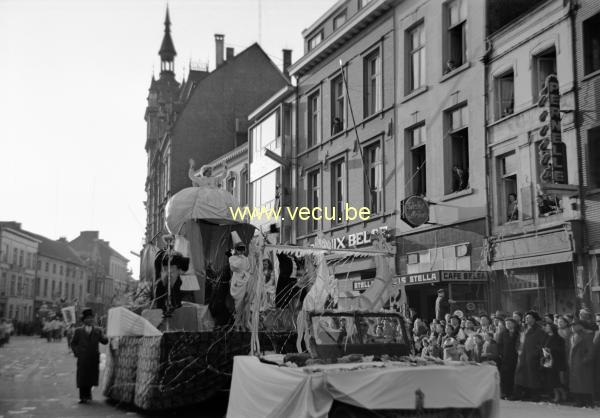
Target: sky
x=74, y=78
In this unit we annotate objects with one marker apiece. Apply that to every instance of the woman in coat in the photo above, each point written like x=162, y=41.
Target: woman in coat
x=554, y=362
x=528, y=375
x=509, y=343
x=85, y=347
x=581, y=371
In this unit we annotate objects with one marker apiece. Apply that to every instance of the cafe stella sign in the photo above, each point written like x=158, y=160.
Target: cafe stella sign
x=414, y=210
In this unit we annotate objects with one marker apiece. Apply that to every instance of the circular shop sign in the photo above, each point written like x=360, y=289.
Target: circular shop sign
x=415, y=211
x=470, y=306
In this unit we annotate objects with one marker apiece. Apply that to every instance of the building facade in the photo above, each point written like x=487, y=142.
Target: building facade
x=535, y=233
x=107, y=270
x=346, y=145
x=61, y=276
x=271, y=145
x=201, y=118
x=440, y=152
x=586, y=17
x=18, y=260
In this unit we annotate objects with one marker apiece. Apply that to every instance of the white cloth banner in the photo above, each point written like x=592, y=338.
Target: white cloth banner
x=261, y=390
x=122, y=322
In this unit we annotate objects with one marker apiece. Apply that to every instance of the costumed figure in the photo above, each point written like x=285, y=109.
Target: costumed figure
x=85, y=347
x=268, y=300
x=321, y=284
x=205, y=178
x=173, y=267
x=240, y=275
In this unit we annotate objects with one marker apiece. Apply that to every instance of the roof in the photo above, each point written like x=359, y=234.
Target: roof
x=15, y=228
x=58, y=250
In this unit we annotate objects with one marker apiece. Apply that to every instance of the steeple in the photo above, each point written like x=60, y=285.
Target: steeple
x=167, y=50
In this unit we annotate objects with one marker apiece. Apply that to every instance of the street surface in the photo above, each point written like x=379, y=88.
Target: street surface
x=37, y=379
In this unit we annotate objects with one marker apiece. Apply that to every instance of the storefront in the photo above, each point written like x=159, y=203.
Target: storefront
x=535, y=271
x=469, y=290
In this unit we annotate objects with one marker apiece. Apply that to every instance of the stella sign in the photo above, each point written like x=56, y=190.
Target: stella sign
x=414, y=211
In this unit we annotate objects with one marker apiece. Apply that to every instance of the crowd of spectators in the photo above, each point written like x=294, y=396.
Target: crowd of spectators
x=553, y=357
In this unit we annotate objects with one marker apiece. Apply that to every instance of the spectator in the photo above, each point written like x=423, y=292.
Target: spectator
x=451, y=351
x=477, y=351
x=490, y=348
x=564, y=328
x=518, y=316
x=581, y=371
x=549, y=318
x=485, y=324
x=512, y=209
x=508, y=357
x=528, y=376
x=554, y=362
x=587, y=318
x=419, y=328
x=596, y=343
x=442, y=305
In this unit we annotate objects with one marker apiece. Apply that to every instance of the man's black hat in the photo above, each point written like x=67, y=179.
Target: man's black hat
x=182, y=263
x=86, y=312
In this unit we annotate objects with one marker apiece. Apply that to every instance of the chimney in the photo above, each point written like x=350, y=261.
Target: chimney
x=287, y=61
x=219, y=42
x=91, y=235
x=229, y=53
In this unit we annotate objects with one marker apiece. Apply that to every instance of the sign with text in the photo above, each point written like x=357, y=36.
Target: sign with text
x=414, y=211
x=357, y=239
x=419, y=278
x=464, y=276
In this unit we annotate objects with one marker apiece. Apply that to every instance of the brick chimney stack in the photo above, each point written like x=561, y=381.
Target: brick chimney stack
x=219, y=47
x=287, y=61
x=229, y=53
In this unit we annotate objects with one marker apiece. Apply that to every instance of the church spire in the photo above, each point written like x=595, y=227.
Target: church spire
x=167, y=50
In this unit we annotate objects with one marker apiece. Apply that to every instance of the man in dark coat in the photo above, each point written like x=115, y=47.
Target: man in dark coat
x=581, y=361
x=528, y=375
x=442, y=305
x=85, y=347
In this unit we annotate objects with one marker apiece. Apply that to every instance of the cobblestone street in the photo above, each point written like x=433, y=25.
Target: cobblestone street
x=37, y=379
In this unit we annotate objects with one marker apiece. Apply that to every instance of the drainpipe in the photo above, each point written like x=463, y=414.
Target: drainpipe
x=294, y=165
x=584, y=297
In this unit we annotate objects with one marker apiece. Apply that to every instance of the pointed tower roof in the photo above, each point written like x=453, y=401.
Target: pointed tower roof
x=167, y=49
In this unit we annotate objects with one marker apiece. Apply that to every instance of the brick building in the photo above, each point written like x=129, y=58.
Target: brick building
x=202, y=118
x=107, y=270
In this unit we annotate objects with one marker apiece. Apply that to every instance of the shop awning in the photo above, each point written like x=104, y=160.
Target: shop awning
x=540, y=260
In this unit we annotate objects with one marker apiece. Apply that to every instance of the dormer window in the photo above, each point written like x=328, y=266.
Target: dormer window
x=315, y=40
x=339, y=20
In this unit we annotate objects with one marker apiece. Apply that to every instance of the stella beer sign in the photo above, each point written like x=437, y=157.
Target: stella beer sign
x=414, y=211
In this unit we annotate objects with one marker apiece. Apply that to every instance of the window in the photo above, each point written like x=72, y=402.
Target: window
x=313, y=119
x=544, y=65
x=264, y=191
x=21, y=258
x=418, y=168
x=593, y=138
x=458, y=149
x=45, y=294
x=244, y=188
x=505, y=94
x=315, y=40
x=337, y=105
x=339, y=20
x=337, y=188
x=72, y=290
x=507, y=166
x=53, y=268
x=374, y=187
x=20, y=286
x=13, y=285
x=372, y=83
x=61, y=270
x=230, y=185
x=5, y=255
x=456, y=37
x=416, y=38
x=53, y=290
x=313, y=197
x=46, y=267
x=591, y=44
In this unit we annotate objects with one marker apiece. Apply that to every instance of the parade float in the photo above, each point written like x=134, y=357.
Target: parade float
x=263, y=322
